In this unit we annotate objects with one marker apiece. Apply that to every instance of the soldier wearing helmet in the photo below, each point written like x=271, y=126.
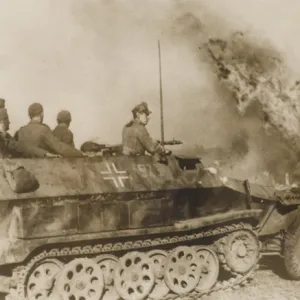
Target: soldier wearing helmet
x=9, y=147
x=136, y=139
x=40, y=135
x=62, y=131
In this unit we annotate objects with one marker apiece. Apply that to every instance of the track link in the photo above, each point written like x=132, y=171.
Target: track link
x=21, y=273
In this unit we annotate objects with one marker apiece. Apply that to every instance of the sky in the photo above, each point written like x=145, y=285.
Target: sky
x=98, y=59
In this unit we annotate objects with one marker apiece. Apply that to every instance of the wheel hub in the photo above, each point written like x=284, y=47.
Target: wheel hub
x=80, y=285
x=181, y=269
x=242, y=251
x=134, y=277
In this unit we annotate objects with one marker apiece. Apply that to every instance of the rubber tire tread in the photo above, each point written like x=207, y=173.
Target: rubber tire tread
x=291, y=245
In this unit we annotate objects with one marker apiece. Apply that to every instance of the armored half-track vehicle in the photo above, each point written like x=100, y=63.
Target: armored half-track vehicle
x=119, y=227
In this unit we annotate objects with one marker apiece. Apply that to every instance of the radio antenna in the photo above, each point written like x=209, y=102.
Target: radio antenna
x=161, y=99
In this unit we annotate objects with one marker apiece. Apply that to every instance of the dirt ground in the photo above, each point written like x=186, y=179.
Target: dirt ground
x=270, y=283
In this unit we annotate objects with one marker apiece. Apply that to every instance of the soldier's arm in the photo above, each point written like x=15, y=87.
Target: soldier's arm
x=148, y=143
x=23, y=148
x=59, y=147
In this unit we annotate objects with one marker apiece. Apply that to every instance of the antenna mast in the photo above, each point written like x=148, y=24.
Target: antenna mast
x=161, y=100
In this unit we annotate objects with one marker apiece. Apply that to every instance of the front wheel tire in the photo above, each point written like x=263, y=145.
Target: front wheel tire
x=292, y=252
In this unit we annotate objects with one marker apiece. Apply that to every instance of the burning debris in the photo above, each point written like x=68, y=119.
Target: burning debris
x=258, y=96
x=256, y=78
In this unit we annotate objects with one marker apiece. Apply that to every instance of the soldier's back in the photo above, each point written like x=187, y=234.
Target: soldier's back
x=33, y=134
x=41, y=136
x=9, y=147
x=136, y=139
x=131, y=129
x=64, y=134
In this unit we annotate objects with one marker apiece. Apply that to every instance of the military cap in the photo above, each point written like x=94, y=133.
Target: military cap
x=35, y=109
x=142, y=108
x=64, y=116
x=2, y=103
x=3, y=114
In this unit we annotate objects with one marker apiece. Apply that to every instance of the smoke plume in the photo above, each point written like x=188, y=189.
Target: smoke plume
x=260, y=98
x=266, y=97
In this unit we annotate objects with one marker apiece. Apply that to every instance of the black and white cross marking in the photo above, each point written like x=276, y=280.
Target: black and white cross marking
x=117, y=176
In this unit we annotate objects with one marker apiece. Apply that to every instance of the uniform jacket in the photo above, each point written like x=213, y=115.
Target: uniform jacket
x=136, y=140
x=40, y=135
x=9, y=147
x=64, y=134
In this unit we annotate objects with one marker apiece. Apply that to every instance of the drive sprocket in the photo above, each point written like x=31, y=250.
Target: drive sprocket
x=239, y=251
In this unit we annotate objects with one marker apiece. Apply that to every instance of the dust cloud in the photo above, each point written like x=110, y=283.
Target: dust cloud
x=99, y=58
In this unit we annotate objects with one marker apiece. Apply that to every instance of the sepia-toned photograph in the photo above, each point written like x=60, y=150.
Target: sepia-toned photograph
x=150, y=150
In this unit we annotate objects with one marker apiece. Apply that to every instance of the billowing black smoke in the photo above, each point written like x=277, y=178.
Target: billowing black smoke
x=254, y=84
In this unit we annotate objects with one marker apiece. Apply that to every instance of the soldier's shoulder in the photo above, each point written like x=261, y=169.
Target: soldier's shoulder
x=35, y=125
x=45, y=125
x=65, y=130
x=138, y=127
x=141, y=128
x=129, y=124
x=57, y=128
x=141, y=131
x=22, y=127
x=41, y=127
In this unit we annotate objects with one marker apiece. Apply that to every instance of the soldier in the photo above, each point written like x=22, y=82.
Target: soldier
x=40, y=135
x=62, y=131
x=9, y=147
x=136, y=139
